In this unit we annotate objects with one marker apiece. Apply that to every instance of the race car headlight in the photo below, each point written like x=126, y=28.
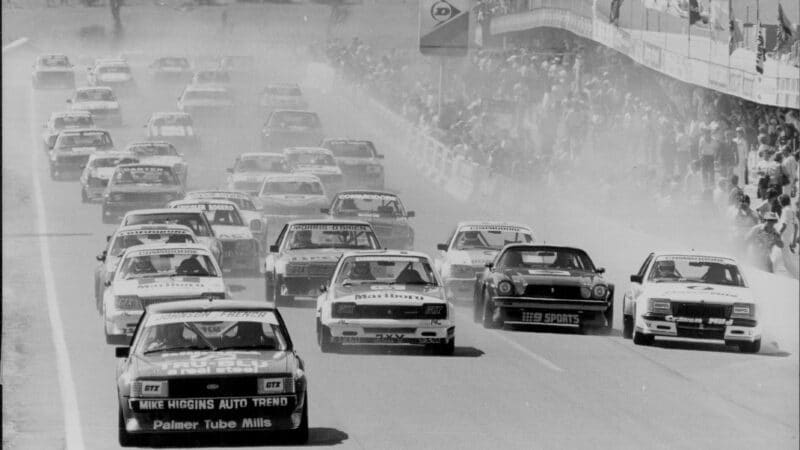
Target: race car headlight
x=743, y=311
x=255, y=225
x=127, y=302
x=150, y=388
x=586, y=292
x=659, y=305
x=213, y=295
x=343, y=310
x=374, y=169
x=276, y=386
x=434, y=311
x=505, y=287
x=599, y=291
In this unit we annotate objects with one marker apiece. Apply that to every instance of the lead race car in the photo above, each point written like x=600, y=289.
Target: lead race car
x=470, y=246
x=148, y=274
x=201, y=366
x=385, y=297
x=695, y=295
x=383, y=210
x=543, y=285
x=306, y=252
x=249, y=209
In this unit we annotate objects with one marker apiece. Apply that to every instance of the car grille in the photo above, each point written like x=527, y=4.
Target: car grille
x=560, y=292
x=227, y=387
x=388, y=312
x=73, y=160
x=142, y=197
x=708, y=332
x=391, y=330
x=318, y=269
x=703, y=310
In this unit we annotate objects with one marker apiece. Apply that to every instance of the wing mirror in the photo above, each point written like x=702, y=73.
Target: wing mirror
x=411, y=214
x=273, y=249
x=325, y=210
x=323, y=288
x=489, y=265
x=108, y=238
x=122, y=352
x=442, y=247
x=600, y=270
x=636, y=279
x=107, y=283
x=101, y=256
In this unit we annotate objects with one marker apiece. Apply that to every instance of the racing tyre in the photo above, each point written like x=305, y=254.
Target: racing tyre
x=627, y=326
x=446, y=349
x=488, y=312
x=299, y=436
x=127, y=439
x=325, y=340
x=750, y=347
x=609, y=316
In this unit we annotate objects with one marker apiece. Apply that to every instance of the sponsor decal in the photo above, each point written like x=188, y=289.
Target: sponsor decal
x=142, y=169
x=271, y=385
x=387, y=287
x=213, y=363
x=491, y=227
x=699, y=320
x=560, y=273
x=388, y=295
x=382, y=197
x=206, y=206
x=219, y=195
x=212, y=424
x=168, y=251
x=705, y=293
x=330, y=227
x=692, y=258
x=210, y=404
x=551, y=318
x=155, y=283
x=149, y=231
x=153, y=388
x=213, y=316
x=387, y=258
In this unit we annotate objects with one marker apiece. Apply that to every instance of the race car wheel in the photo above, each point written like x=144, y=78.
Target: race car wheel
x=127, y=439
x=446, y=349
x=609, y=316
x=325, y=340
x=627, y=326
x=84, y=197
x=488, y=313
x=639, y=338
x=477, y=309
x=54, y=175
x=750, y=347
x=299, y=436
x=269, y=290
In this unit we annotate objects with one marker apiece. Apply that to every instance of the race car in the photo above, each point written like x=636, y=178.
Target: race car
x=195, y=220
x=66, y=120
x=206, y=102
x=240, y=250
x=316, y=161
x=291, y=196
x=148, y=274
x=138, y=186
x=282, y=96
x=171, y=69
x=213, y=77
x=240, y=68
x=161, y=153
x=305, y=255
x=470, y=246
x=250, y=211
x=291, y=128
x=250, y=169
x=100, y=102
x=205, y=367
x=543, y=285
x=385, y=297
x=53, y=71
x=72, y=149
x=125, y=237
x=694, y=295
x=383, y=210
x=113, y=73
x=359, y=161
x=99, y=170
x=177, y=128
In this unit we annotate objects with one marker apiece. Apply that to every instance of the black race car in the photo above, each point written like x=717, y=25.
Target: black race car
x=543, y=285
x=205, y=366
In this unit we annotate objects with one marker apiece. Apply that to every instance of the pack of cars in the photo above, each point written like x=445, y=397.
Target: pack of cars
x=73, y=148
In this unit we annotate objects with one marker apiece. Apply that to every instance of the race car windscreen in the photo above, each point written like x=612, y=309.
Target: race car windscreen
x=212, y=331
x=54, y=61
x=294, y=121
x=219, y=214
x=284, y=91
x=291, y=188
x=213, y=77
x=86, y=139
x=342, y=149
x=392, y=270
x=101, y=163
x=367, y=205
x=310, y=159
x=193, y=220
x=73, y=122
x=550, y=258
x=114, y=69
x=267, y=163
x=143, y=151
x=694, y=269
x=144, y=175
x=489, y=239
x=96, y=95
x=163, y=263
x=316, y=236
x=221, y=96
x=125, y=240
x=181, y=63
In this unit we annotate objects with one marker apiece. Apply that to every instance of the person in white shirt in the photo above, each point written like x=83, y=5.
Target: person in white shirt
x=788, y=225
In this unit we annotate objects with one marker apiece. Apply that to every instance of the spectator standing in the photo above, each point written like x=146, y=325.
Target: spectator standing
x=728, y=156
x=708, y=147
x=788, y=225
x=735, y=193
x=789, y=168
x=743, y=154
x=762, y=238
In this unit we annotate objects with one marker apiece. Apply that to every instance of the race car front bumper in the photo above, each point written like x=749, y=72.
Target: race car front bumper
x=303, y=287
x=720, y=329
x=120, y=325
x=392, y=331
x=548, y=311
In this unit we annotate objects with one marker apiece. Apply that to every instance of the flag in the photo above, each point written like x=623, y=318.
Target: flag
x=694, y=12
x=736, y=37
x=613, y=16
x=761, y=52
x=785, y=28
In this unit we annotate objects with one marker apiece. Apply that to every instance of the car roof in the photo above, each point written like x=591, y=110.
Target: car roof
x=149, y=144
x=145, y=164
x=192, y=201
x=308, y=150
x=207, y=88
x=292, y=177
x=365, y=192
x=211, y=305
x=386, y=252
x=74, y=112
x=256, y=155
x=327, y=222
x=154, y=211
x=498, y=223
x=349, y=140
x=52, y=55
x=692, y=252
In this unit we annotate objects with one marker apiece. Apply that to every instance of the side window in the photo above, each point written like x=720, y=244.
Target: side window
x=646, y=263
x=279, y=240
x=450, y=239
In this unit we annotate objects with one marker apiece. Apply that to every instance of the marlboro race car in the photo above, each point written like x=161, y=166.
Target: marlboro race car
x=148, y=274
x=195, y=220
x=305, y=255
x=385, y=297
x=126, y=237
x=53, y=71
x=383, y=210
x=99, y=169
x=316, y=161
x=161, y=153
x=65, y=120
x=282, y=96
x=113, y=73
x=177, y=128
x=100, y=101
x=359, y=161
x=198, y=367
x=139, y=186
x=470, y=246
x=291, y=128
x=292, y=196
x=692, y=295
x=250, y=169
x=171, y=69
x=240, y=250
x=251, y=212
x=543, y=285
x=72, y=150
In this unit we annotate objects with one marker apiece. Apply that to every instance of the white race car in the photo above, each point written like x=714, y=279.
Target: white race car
x=98, y=171
x=149, y=274
x=316, y=161
x=177, y=128
x=114, y=73
x=292, y=196
x=385, y=297
x=162, y=153
x=249, y=208
x=691, y=295
x=100, y=101
x=470, y=246
x=250, y=169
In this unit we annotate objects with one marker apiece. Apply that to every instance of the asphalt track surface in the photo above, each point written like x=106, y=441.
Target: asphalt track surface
x=501, y=389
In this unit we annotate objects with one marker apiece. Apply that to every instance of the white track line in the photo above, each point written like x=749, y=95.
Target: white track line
x=15, y=44
x=69, y=400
